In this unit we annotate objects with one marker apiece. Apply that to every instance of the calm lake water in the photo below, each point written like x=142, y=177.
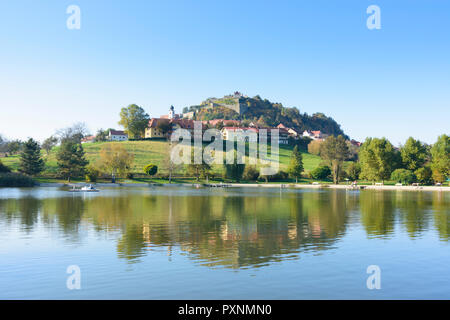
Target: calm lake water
x=236, y=243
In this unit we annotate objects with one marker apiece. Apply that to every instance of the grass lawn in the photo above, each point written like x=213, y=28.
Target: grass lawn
x=151, y=151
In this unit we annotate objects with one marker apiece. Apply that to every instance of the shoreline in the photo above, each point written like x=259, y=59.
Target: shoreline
x=254, y=185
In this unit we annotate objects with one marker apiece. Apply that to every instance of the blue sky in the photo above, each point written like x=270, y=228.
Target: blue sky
x=316, y=55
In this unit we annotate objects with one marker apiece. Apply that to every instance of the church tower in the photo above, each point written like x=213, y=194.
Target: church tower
x=172, y=112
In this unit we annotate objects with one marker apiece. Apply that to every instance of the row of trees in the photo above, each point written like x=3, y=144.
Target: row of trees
x=379, y=160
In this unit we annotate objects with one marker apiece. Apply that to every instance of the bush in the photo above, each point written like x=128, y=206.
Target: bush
x=151, y=169
x=321, y=173
x=251, y=173
x=92, y=174
x=279, y=176
x=403, y=175
x=13, y=179
x=3, y=168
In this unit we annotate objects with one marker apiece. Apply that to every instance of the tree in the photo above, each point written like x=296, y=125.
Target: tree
x=377, y=158
x=198, y=170
x=75, y=133
x=49, y=143
x=31, y=162
x=151, y=169
x=14, y=146
x=235, y=170
x=403, y=175
x=314, y=147
x=115, y=159
x=134, y=119
x=424, y=175
x=250, y=173
x=440, y=158
x=3, y=168
x=295, y=168
x=353, y=171
x=414, y=154
x=334, y=150
x=102, y=135
x=71, y=159
x=321, y=173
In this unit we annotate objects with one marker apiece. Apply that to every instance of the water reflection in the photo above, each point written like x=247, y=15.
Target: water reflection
x=238, y=228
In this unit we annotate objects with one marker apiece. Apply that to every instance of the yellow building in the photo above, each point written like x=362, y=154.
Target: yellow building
x=153, y=131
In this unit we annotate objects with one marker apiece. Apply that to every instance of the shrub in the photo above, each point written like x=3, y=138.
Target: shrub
x=403, y=175
x=92, y=174
x=12, y=179
x=251, y=173
x=151, y=169
x=3, y=168
x=321, y=173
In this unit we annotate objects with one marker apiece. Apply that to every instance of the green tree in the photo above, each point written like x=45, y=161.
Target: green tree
x=71, y=159
x=440, y=158
x=353, y=171
x=414, y=154
x=31, y=162
x=235, y=170
x=334, y=150
x=321, y=173
x=295, y=168
x=424, y=175
x=377, y=158
x=134, y=120
x=49, y=143
x=14, y=146
x=151, y=169
x=403, y=175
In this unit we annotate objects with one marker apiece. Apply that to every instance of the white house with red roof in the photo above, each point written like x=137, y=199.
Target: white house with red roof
x=117, y=135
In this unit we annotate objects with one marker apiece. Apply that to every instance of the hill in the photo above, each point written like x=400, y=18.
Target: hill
x=150, y=151
x=264, y=112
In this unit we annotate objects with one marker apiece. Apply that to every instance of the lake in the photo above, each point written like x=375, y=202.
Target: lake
x=224, y=243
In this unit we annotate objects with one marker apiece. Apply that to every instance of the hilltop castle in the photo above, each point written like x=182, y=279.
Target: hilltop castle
x=236, y=102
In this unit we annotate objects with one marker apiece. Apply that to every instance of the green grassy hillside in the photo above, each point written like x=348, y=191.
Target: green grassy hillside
x=154, y=151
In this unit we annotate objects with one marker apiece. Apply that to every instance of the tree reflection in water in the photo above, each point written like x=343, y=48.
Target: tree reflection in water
x=236, y=228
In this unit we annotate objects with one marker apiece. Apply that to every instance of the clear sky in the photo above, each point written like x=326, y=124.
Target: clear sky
x=316, y=55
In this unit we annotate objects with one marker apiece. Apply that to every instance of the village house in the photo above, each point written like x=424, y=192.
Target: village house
x=153, y=130
x=88, y=139
x=116, y=135
x=315, y=135
x=292, y=133
x=240, y=134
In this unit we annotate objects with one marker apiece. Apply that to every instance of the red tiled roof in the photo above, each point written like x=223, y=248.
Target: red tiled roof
x=117, y=133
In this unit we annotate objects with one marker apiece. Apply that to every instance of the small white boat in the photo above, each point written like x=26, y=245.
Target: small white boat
x=88, y=188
